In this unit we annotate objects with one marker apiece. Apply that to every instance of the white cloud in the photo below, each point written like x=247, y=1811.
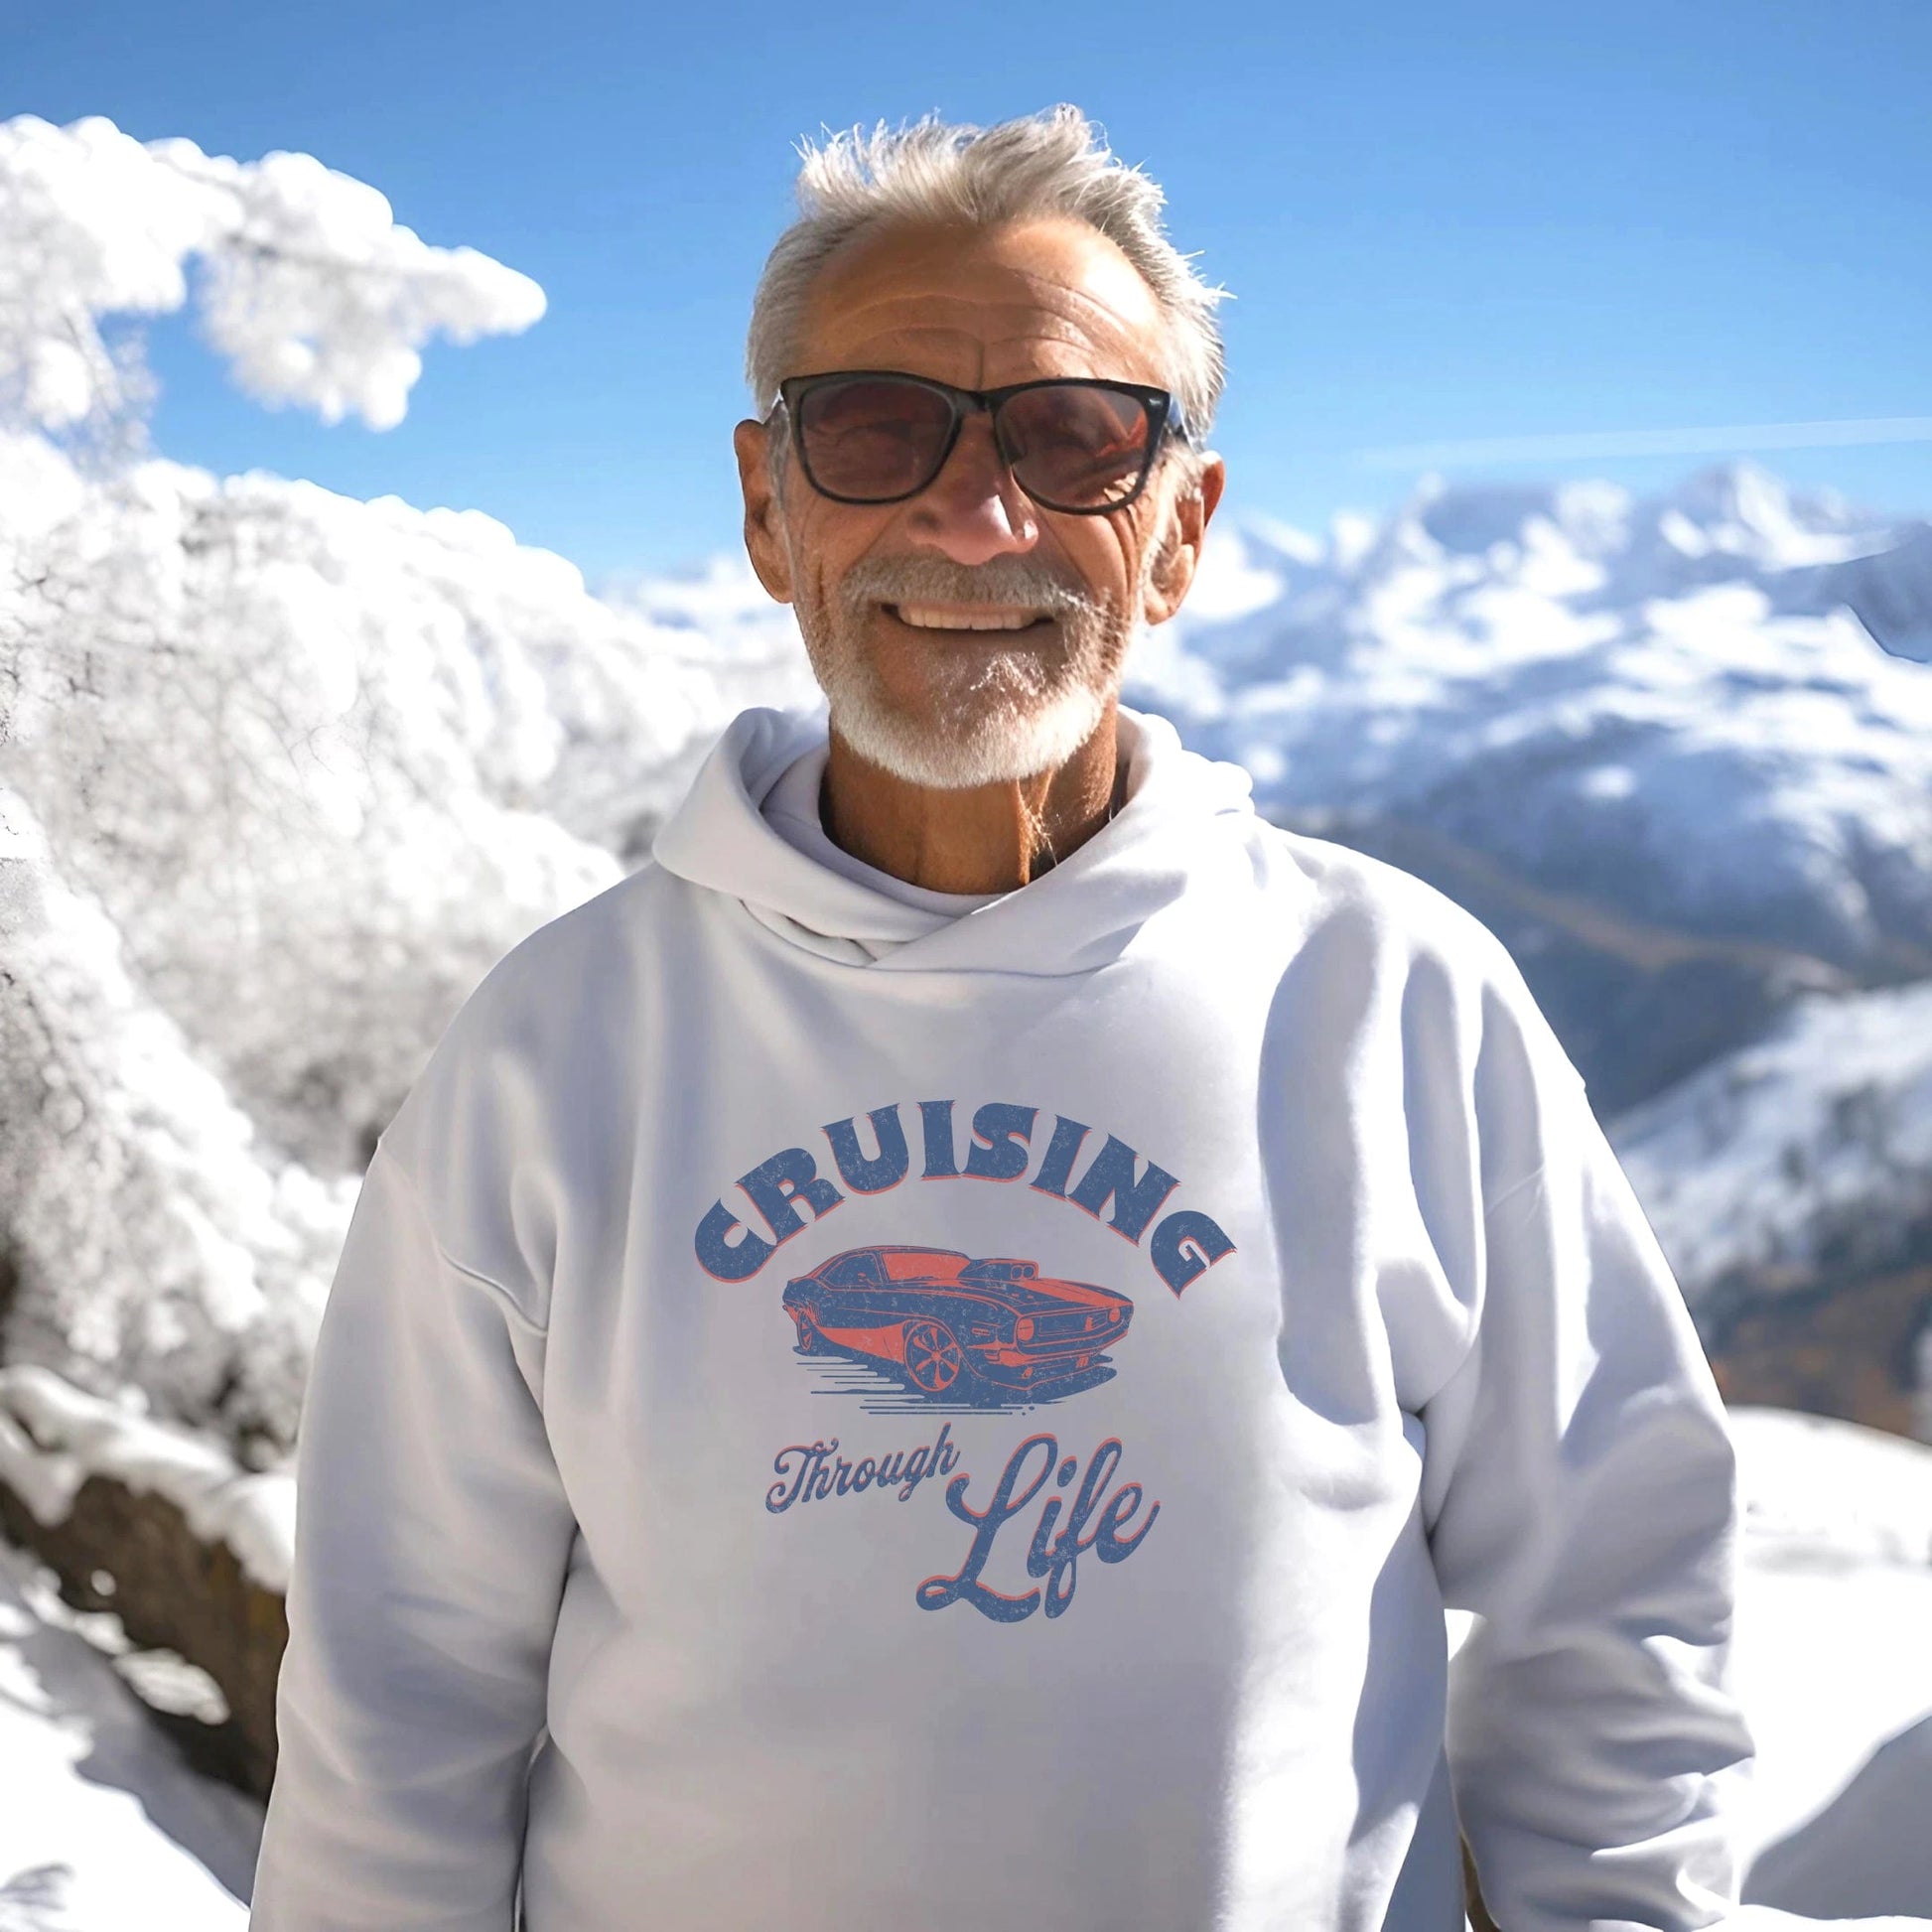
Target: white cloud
x=308, y=285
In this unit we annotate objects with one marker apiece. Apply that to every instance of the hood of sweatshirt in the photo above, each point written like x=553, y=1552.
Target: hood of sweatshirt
x=1072, y=920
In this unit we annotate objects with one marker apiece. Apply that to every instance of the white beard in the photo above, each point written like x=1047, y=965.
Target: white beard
x=994, y=719
x=988, y=736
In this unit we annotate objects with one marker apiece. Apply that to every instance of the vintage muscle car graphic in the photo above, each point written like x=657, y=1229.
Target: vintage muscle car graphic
x=986, y=1333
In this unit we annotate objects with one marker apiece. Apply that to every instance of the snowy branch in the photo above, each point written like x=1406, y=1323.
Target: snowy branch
x=308, y=285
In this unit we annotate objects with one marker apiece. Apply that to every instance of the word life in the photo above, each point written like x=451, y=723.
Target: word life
x=1050, y=1556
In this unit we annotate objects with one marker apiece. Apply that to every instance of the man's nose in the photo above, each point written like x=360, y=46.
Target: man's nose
x=973, y=512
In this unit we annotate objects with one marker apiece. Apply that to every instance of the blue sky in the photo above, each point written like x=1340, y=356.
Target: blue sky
x=1444, y=224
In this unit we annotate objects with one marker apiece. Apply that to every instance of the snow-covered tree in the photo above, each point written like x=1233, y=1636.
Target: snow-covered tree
x=285, y=772
x=305, y=283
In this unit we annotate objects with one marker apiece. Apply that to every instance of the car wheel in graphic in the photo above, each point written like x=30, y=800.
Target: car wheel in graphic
x=935, y=1364
x=810, y=1341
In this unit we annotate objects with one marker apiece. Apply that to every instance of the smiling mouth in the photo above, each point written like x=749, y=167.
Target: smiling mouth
x=965, y=617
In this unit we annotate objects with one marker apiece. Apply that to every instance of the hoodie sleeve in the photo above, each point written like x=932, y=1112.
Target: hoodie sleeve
x=1583, y=1509
x=431, y=1542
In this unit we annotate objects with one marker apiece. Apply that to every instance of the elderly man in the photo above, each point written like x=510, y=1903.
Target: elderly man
x=934, y=1358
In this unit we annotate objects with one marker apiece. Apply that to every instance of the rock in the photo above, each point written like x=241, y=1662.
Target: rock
x=172, y=1591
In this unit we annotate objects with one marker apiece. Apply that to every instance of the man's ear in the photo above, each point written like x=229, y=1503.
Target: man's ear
x=765, y=510
x=1172, y=573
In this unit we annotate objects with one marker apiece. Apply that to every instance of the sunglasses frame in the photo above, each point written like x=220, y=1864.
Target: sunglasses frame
x=1164, y=419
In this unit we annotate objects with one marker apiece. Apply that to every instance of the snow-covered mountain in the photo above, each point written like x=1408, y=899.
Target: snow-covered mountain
x=1649, y=740
x=1810, y=1147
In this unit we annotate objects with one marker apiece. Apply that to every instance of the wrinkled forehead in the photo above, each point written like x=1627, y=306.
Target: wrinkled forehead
x=985, y=306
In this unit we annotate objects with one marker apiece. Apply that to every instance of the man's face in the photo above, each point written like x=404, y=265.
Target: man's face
x=966, y=635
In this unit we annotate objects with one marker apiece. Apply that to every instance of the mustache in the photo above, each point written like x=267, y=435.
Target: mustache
x=1031, y=582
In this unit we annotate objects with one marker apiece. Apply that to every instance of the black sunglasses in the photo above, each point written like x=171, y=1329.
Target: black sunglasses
x=1078, y=445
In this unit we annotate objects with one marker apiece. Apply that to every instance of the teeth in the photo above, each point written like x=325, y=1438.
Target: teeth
x=926, y=618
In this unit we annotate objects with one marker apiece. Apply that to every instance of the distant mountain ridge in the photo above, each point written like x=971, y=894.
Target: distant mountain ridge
x=1663, y=704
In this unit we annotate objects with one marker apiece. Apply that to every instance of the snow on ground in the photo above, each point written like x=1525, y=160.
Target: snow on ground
x=1814, y=1143
x=102, y=1827
x=1833, y=1664
x=1835, y=1606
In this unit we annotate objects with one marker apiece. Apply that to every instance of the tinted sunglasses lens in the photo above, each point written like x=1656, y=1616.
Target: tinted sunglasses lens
x=873, y=439
x=1074, y=446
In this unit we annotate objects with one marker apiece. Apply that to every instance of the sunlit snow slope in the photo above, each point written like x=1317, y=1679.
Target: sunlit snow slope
x=1833, y=1666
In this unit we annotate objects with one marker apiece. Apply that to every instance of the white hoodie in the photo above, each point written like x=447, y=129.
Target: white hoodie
x=929, y=1421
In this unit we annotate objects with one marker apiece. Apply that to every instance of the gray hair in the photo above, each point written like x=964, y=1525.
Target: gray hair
x=932, y=172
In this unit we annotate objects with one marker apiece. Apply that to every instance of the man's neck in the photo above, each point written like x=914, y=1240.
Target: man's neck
x=987, y=839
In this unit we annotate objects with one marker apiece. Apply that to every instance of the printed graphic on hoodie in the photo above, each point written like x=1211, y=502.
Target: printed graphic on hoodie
x=911, y=1327
x=935, y=1326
